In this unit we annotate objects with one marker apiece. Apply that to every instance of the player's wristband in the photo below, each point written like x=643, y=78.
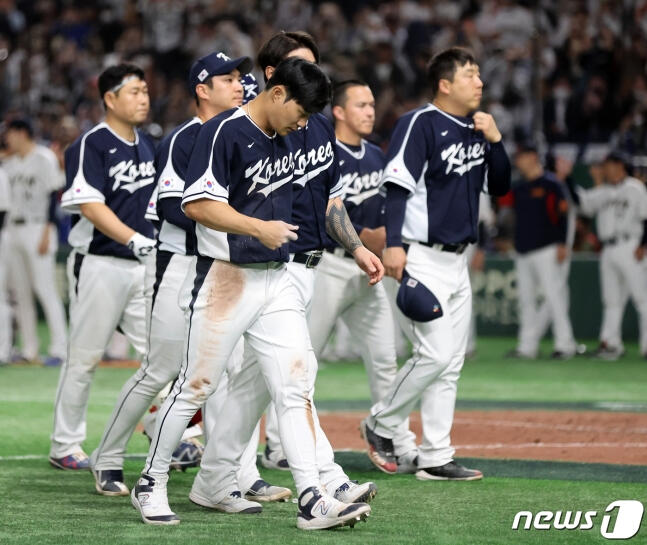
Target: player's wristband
x=141, y=246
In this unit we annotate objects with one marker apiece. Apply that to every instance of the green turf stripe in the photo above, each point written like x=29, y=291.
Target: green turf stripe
x=526, y=469
x=491, y=405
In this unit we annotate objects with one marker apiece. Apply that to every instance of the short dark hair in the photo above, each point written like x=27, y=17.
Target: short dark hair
x=21, y=125
x=340, y=91
x=443, y=65
x=114, y=75
x=282, y=43
x=304, y=82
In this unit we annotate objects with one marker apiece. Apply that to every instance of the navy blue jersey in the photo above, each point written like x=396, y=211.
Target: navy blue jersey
x=235, y=162
x=100, y=166
x=541, y=213
x=176, y=232
x=443, y=163
x=361, y=173
x=316, y=180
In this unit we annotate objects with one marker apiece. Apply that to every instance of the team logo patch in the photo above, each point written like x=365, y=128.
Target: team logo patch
x=167, y=182
x=151, y=204
x=412, y=283
x=203, y=75
x=209, y=184
x=78, y=190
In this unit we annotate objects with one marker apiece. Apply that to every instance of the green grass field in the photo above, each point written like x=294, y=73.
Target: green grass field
x=42, y=505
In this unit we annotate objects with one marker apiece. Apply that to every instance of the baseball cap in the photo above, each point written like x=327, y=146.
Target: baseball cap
x=416, y=301
x=250, y=87
x=526, y=147
x=619, y=156
x=20, y=124
x=216, y=64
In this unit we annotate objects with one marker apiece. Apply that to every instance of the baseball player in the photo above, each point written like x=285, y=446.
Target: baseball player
x=340, y=289
x=440, y=158
x=240, y=195
x=316, y=196
x=215, y=80
x=35, y=177
x=541, y=212
x=5, y=312
x=620, y=208
x=110, y=178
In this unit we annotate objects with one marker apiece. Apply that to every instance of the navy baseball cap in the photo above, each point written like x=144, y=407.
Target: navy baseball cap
x=216, y=64
x=416, y=301
x=250, y=87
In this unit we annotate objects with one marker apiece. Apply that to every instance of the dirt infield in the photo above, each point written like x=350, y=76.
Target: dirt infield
x=586, y=436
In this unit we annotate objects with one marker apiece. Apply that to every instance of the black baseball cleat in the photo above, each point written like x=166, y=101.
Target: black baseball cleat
x=451, y=471
x=110, y=482
x=272, y=459
x=380, y=449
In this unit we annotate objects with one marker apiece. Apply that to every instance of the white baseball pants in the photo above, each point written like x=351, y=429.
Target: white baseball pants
x=341, y=289
x=32, y=273
x=105, y=293
x=431, y=374
x=5, y=310
x=539, y=274
x=226, y=301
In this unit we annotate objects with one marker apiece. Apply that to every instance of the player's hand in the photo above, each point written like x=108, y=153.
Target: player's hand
x=374, y=239
x=639, y=253
x=485, y=123
x=394, y=259
x=370, y=264
x=141, y=246
x=478, y=261
x=43, y=244
x=275, y=233
x=562, y=253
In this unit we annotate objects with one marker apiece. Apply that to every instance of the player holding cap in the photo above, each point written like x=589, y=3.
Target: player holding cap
x=241, y=170
x=35, y=178
x=110, y=177
x=340, y=288
x=440, y=159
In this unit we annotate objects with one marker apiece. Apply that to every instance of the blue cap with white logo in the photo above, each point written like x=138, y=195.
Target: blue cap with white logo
x=250, y=87
x=416, y=301
x=216, y=64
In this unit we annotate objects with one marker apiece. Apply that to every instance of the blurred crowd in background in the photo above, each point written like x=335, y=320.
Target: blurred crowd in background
x=569, y=76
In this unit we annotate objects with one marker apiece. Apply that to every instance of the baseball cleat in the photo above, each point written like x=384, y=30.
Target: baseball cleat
x=609, y=353
x=408, y=463
x=380, y=449
x=451, y=471
x=263, y=491
x=78, y=461
x=187, y=454
x=110, y=482
x=560, y=355
x=148, y=496
x=233, y=503
x=320, y=511
x=274, y=459
x=353, y=492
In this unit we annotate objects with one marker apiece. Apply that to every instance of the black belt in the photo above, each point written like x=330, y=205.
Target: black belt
x=453, y=248
x=310, y=260
x=337, y=252
x=615, y=240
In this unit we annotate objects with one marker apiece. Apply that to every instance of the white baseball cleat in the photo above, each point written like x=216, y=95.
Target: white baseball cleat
x=263, y=491
x=148, y=496
x=232, y=503
x=320, y=511
x=353, y=492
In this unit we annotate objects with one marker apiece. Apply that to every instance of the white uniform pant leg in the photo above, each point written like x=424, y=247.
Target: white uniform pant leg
x=636, y=280
x=42, y=269
x=222, y=301
x=20, y=284
x=371, y=323
x=614, y=298
x=527, y=282
x=5, y=310
x=553, y=281
x=435, y=343
x=99, y=290
x=439, y=399
x=165, y=274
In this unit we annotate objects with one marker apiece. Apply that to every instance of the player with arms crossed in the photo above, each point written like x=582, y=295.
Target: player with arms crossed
x=240, y=172
x=340, y=289
x=439, y=160
x=110, y=178
x=317, y=208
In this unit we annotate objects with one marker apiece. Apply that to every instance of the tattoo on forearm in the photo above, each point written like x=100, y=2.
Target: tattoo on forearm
x=340, y=228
